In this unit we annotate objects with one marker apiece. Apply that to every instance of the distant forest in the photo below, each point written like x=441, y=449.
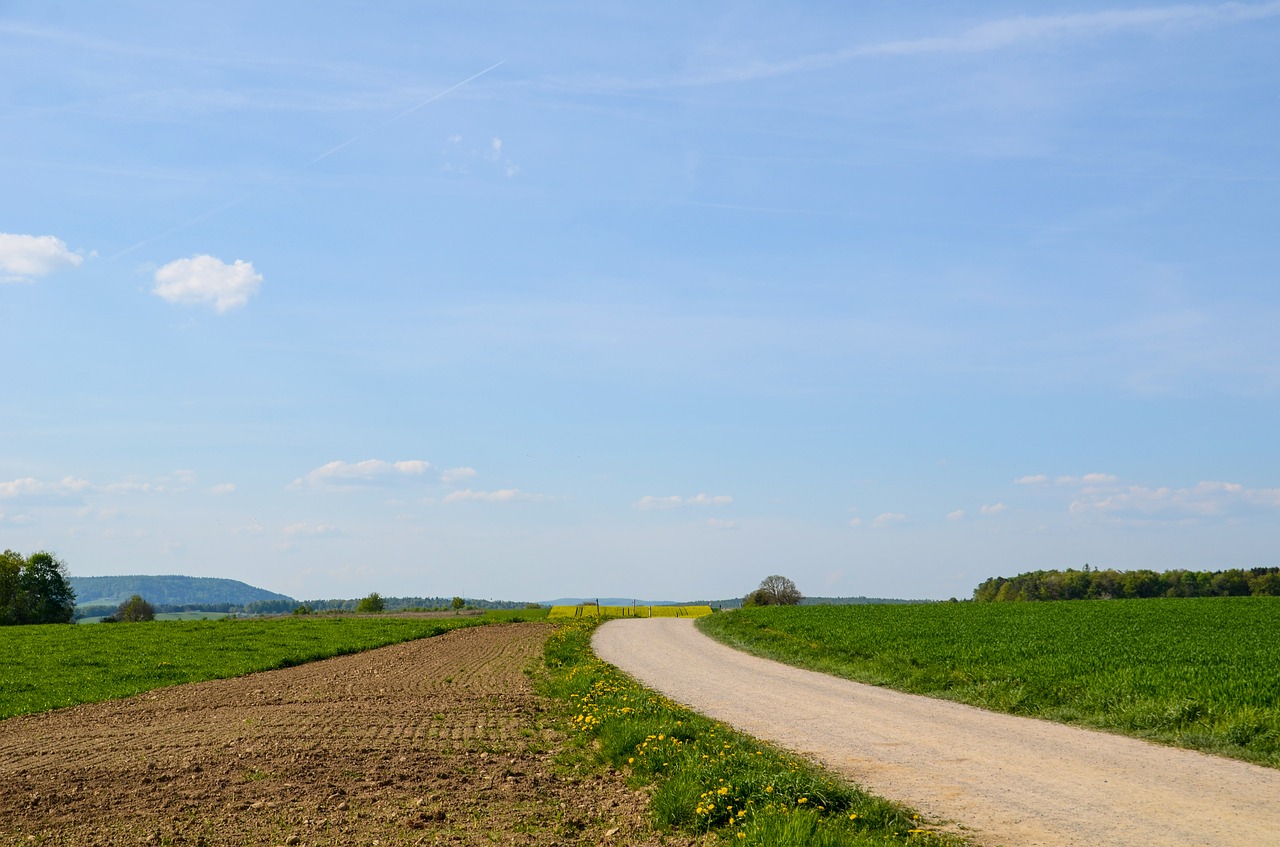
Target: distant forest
x=1090, y=584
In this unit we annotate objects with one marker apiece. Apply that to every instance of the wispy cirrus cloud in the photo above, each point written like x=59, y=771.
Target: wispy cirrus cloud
x=649, y=503
x=25, y=257
x=997, y=34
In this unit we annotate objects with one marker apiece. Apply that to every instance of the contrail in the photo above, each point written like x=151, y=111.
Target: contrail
x=405, y=113
x=353, y=139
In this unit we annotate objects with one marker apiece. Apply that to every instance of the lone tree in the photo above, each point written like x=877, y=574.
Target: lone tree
x=372, y=604
x=135, y=610
x=458, y=604
x=774, y=590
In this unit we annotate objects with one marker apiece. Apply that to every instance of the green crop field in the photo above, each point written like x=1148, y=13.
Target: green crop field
x=1201, y=673
x=51, y=666
x=591, y=611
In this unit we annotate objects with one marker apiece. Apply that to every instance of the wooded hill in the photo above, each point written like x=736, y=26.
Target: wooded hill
x=170, y=591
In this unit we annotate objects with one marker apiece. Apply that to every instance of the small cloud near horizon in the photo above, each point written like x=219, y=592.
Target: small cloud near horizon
x=649, y=503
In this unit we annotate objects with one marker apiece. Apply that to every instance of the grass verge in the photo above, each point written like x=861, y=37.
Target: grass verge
x=707, y=778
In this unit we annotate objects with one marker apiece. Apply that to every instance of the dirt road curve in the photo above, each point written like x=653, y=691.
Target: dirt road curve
x=438, y=741
x=1005, y=780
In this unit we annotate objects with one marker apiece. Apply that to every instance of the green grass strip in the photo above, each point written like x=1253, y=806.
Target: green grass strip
x=706, y=777
x=52, y=666
x=1202, y=673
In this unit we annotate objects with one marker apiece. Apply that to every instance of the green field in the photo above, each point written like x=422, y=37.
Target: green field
x=1201, y=673
x=592, y=611
x=51, y=666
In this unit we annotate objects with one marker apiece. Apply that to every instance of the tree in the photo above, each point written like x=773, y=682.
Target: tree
x=135, y=610
x=35, y=590
x=774, y=590
x=371, y=604
x=458, y=603
x=11, y=565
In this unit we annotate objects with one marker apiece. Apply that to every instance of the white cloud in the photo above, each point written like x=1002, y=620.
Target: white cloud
x=958, y=514
x=887, y=519
x=453, y=476
x=24, y=257
x=717, y=523
x=993, y=508
x=29, y=486
x=1087, y=479
x=309, y=529
x=650, y=503
x=369, y=472
x=1037, y=479
x=223, y=488
x=1207, y=499
x=504, y=495
x=206, y=280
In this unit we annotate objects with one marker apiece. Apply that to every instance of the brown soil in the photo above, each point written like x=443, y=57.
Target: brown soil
x=439, y=741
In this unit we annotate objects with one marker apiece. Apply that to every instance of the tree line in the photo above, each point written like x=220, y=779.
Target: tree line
x=34, y=589
x=1096, y=584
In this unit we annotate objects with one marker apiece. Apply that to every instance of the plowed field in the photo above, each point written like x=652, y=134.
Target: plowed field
x=438, y=741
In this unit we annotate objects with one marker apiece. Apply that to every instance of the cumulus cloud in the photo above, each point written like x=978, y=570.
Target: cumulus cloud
x=957, y=515
x=887, y=519
x=204, y=280
x=503, y=495
x=340, y=474
x=717, y=523
x=25, y=257
x=29, y=487
x=993, y=508
x=1036, y=479
x=223, y=488
x=650, y=503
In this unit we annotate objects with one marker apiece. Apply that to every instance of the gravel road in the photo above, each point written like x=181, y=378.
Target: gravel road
x=1003, y=780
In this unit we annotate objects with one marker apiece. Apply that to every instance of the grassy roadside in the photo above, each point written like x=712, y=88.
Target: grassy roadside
x=55, y=665
x=1199, y=673
x=707, y=778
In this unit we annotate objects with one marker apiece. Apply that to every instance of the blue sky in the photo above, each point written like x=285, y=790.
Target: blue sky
x=525, y=301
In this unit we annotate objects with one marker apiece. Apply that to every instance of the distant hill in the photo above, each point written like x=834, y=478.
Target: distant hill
x=169, y=591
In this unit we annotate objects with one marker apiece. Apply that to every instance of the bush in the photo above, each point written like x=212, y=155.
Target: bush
x=372, y=604
x=134, y=610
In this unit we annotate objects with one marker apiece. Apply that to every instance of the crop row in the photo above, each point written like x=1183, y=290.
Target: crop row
x=51, y=666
